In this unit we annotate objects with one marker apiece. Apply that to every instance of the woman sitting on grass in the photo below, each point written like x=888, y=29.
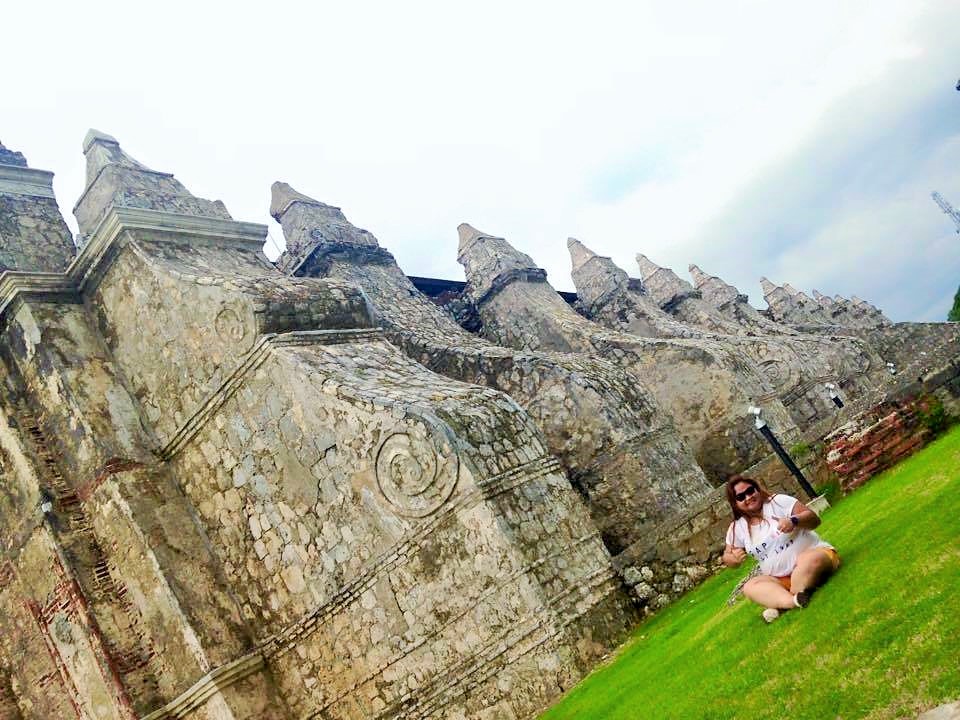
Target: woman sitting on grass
x=778, y=531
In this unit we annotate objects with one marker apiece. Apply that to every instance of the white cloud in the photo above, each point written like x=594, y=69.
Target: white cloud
x=631, y=125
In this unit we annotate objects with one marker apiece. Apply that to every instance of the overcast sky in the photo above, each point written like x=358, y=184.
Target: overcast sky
x=799, y=141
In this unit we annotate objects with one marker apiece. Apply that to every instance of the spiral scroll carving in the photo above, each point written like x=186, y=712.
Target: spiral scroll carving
x=415, y=475
x=230, y=325
x=781, y=374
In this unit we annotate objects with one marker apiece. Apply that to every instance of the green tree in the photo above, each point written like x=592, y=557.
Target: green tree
x=954, y=314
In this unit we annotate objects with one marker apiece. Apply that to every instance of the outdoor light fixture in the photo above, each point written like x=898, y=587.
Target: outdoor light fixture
x=758, y=422
x=46, y=503
x=834, y=395
x=761, y=425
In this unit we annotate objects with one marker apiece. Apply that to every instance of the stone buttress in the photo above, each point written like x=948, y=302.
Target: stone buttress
x=396, y=544
x=795, y=366
x=112, y=599
x=705, y=389
x=620, y=452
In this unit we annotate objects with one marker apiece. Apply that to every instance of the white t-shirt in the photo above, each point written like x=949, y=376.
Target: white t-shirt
x=775, y=551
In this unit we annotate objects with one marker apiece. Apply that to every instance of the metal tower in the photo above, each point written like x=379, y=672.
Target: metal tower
x=947, y=208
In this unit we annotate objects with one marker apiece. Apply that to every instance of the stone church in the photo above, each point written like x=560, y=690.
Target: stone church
x=234, y=489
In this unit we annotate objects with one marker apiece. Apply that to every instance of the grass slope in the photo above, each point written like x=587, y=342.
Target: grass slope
x=880, y=640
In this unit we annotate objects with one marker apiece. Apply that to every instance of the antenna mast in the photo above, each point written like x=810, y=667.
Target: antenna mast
x=947, y=207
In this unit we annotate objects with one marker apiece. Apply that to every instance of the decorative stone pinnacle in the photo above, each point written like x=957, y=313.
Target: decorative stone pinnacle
x=309, y=224
x=468, y=235
x=94, y=135
x=489, y=261
x=580, y=254
x=790, y=289
x=699, y=276
x=821, y=298
x=768, y=287
x=282, y=196
x=11, y=157
x=114, y=179
x=102, y=150
x=647, y=266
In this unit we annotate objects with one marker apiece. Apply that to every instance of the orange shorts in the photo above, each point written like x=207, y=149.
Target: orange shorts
x=831, y=553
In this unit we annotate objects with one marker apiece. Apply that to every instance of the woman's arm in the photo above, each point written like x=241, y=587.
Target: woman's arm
x=806, y=518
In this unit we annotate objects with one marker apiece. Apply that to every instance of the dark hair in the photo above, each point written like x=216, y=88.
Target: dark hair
x=732, y=495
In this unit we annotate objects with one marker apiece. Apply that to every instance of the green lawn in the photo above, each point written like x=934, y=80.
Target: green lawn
x=880, y=640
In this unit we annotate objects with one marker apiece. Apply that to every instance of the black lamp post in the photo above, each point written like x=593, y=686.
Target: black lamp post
x=834, y=395
x=761, y=425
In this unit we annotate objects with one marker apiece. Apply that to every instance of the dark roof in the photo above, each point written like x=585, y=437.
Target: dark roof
x=432, y=287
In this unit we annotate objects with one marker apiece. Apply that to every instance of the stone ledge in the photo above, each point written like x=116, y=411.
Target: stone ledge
x=213, y=682
x=26, y=181
x=16, y=285
x=87, y=268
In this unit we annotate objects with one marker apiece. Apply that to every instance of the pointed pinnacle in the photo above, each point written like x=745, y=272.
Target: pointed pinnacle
x=102, y=150
x=790, y=289
x=768, y=287
x=282, y=196
x=647, y=266
x=821, y=298
x=469, y=235
x=11, y=157
x=580, y=254
x=698, y=275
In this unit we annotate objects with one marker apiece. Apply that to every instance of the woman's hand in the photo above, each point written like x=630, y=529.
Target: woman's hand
x=786, y=525
x=733, y=556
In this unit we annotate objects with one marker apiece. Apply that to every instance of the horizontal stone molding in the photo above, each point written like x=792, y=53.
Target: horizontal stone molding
x=87, y=268
x=90, y=264
x=26, y=181
x=253, y=359
x=504, y=279
x=16, y=285
x=206, y=687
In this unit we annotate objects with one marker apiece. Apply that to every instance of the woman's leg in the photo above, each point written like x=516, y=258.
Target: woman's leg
x=812, y=566
x=766, y=591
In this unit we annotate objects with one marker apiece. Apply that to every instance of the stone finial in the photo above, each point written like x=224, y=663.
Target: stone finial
x=580, y=254
x=647, y=266
x=114, y=179
x=662, y=283
x=698, y=276
x=714, y=290
x=822, y=299
x=790, y=289
x=102, y=150
x=489, y=261
x=767, y=286
x=11, y=157
x=597, y=278
x=472, y=240
x=33, y=235
x=309, y=225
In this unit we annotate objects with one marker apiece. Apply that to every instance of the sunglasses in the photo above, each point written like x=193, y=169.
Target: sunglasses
x=741, y=496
